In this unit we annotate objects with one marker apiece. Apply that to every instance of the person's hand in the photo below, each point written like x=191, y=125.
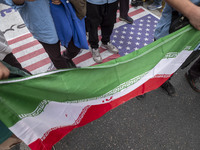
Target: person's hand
x=56, y=2
x=194, y=18
x=188, y=9
x=4, y=72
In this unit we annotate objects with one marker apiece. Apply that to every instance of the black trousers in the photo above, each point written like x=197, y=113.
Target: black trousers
x=124, y=8
x=11, y=60
x=54, y=52
x=103, y=16
x=194, y=71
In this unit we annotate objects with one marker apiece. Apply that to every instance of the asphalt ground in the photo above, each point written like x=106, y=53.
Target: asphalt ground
x=157, y=122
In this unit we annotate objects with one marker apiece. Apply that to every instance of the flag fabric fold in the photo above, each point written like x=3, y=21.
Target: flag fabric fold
x=43, y=108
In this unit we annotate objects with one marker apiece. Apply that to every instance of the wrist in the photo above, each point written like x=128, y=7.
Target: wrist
x=191, y=11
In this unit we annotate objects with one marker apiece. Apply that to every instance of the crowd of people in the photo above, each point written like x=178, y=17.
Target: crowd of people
x=38, y=18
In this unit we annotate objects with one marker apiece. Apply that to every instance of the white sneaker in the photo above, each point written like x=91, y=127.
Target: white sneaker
x=110, y=47
x=96, y=55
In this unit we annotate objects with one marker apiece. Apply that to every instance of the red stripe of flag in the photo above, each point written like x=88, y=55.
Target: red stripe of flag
x=18, y=39
x=25, y=46
x=31, y=55
x=38, y=64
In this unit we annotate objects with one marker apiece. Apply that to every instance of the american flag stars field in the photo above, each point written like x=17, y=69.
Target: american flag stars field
x=130, y=37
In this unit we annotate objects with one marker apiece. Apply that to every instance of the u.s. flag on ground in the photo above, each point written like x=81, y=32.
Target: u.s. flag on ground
x=43, y=108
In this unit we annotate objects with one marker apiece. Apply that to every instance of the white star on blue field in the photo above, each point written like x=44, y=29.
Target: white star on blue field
x=130, y=37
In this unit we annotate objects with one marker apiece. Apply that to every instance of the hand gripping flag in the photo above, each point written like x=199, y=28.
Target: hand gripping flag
x=43, y=108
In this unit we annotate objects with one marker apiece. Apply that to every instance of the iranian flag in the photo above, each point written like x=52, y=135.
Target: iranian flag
x=43, y=108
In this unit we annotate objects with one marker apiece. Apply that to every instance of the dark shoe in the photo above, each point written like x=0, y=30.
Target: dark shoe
x=154, y=6
x=71, y=63
x=136, y=3
x=169, y=88
x=194, y=83
x=126, y=19
x=141, y=96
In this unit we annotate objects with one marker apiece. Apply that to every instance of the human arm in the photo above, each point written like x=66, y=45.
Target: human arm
x=4, y=72
x=188, y=9
x=20, y=2
x=56, y=2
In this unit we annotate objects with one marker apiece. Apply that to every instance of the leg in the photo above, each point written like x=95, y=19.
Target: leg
x=93, y=19
x=124, y=8
x=108, y=22
x=6, y=54
x=11, y=60
x=71, y=52
x=193, y=76
x=194, y=71
x=107, y=25
x=53, y=50
x=169, y=88
x=136, y=3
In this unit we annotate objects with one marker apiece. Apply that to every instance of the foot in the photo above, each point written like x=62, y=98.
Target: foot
x=169, y=88
x=154, y=6
x=135, y=3
x=194, y=82
x=71, y=63
x=110, y=47
x=126, y=19
x=96, y=55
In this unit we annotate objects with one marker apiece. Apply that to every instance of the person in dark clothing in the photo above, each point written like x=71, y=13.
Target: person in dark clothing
x=37, y=17
x=193, y=76
x=101, y=13
x=124, y=8
x=6, y=54
x=191, y=11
